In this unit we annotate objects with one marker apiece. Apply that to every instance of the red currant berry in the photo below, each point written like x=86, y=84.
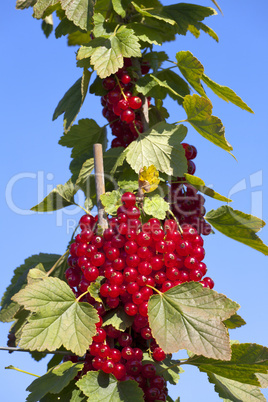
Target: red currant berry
x=159, y=355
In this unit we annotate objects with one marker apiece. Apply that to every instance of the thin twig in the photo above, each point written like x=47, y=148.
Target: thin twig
x=57, y=262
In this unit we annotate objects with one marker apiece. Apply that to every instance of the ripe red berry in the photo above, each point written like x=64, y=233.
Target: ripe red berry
x=159, y=355
x=127, y=115
x=135, y=102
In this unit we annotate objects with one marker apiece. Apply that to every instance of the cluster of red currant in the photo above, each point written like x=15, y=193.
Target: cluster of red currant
x=134, y=259
x=186, y=203
x=120, y=107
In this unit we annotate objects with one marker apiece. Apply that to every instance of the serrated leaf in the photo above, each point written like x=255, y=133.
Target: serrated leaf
x=153, y=14
x=80, y=12
x=238, y=225
x=54, y=381
x=263, y=379
x=155, y=206
x=9, y=308
x=168, y=368
x=198, y=110
x=111, y=201
x=191, y=69
x=159, y=146
x=225, y=93
x=54, y=361
x=22, y=4
x=82, y=136
x=189, y=316
x=199, y=184
x=145, y=33
x=47, y=25
x=247, y=360
x=106, y=54
x=41, y=6
x=60, y=197
x=157, y=114
x=99, y=387
x=72, y=101
x=163, y=83
x=187, y=14
x=94, y=289
x=208, y=30
x=70, y=393
x=235, y=321
x=118, y=319
x=235, y=391
x=59, y=319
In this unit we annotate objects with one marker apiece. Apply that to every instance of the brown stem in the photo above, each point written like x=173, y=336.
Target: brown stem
x=99, y=182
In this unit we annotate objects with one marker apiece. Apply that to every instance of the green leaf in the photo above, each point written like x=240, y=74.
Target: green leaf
x=54, y=381
x=83, y=136
x=65, y=27
x=22, y=4
x=206, y=29
x=54, y=361
x=36, y=274
x=60, y=197
x=168, y=368
x=42, y=8
x=199, y=184
x=78, y=38
x=159, y=146
x=163, y=83
x=111, y=201
x=153, y=14
x=247, y=360
x=198, y=110
x=59, y=319
x=80, y=12
x=120, y=160
x=189, y=316
x=156, y=206
x=238, y=225
x=157, y=114
x=107, y=54
x=102, y=27
x=47, y=25
x=70, y=393
x=72, y=101
x=10, y=308
x=96, y=87
x=191, y=69
x=120, y=7
x=85, y=171
x=225, y=93
x=147, y=33
x=263, y=379
x=235, y=391
x=156, y=59
x=235, y=321
x=128, y=180
x=94, y=289
x=99, y=387
x=187, y=14
x=118, y=319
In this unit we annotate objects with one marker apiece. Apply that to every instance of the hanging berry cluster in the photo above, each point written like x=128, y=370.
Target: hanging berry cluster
x=135, y=260
x=120, y=107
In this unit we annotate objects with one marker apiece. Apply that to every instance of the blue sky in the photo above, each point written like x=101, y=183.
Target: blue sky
x=36, y=72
